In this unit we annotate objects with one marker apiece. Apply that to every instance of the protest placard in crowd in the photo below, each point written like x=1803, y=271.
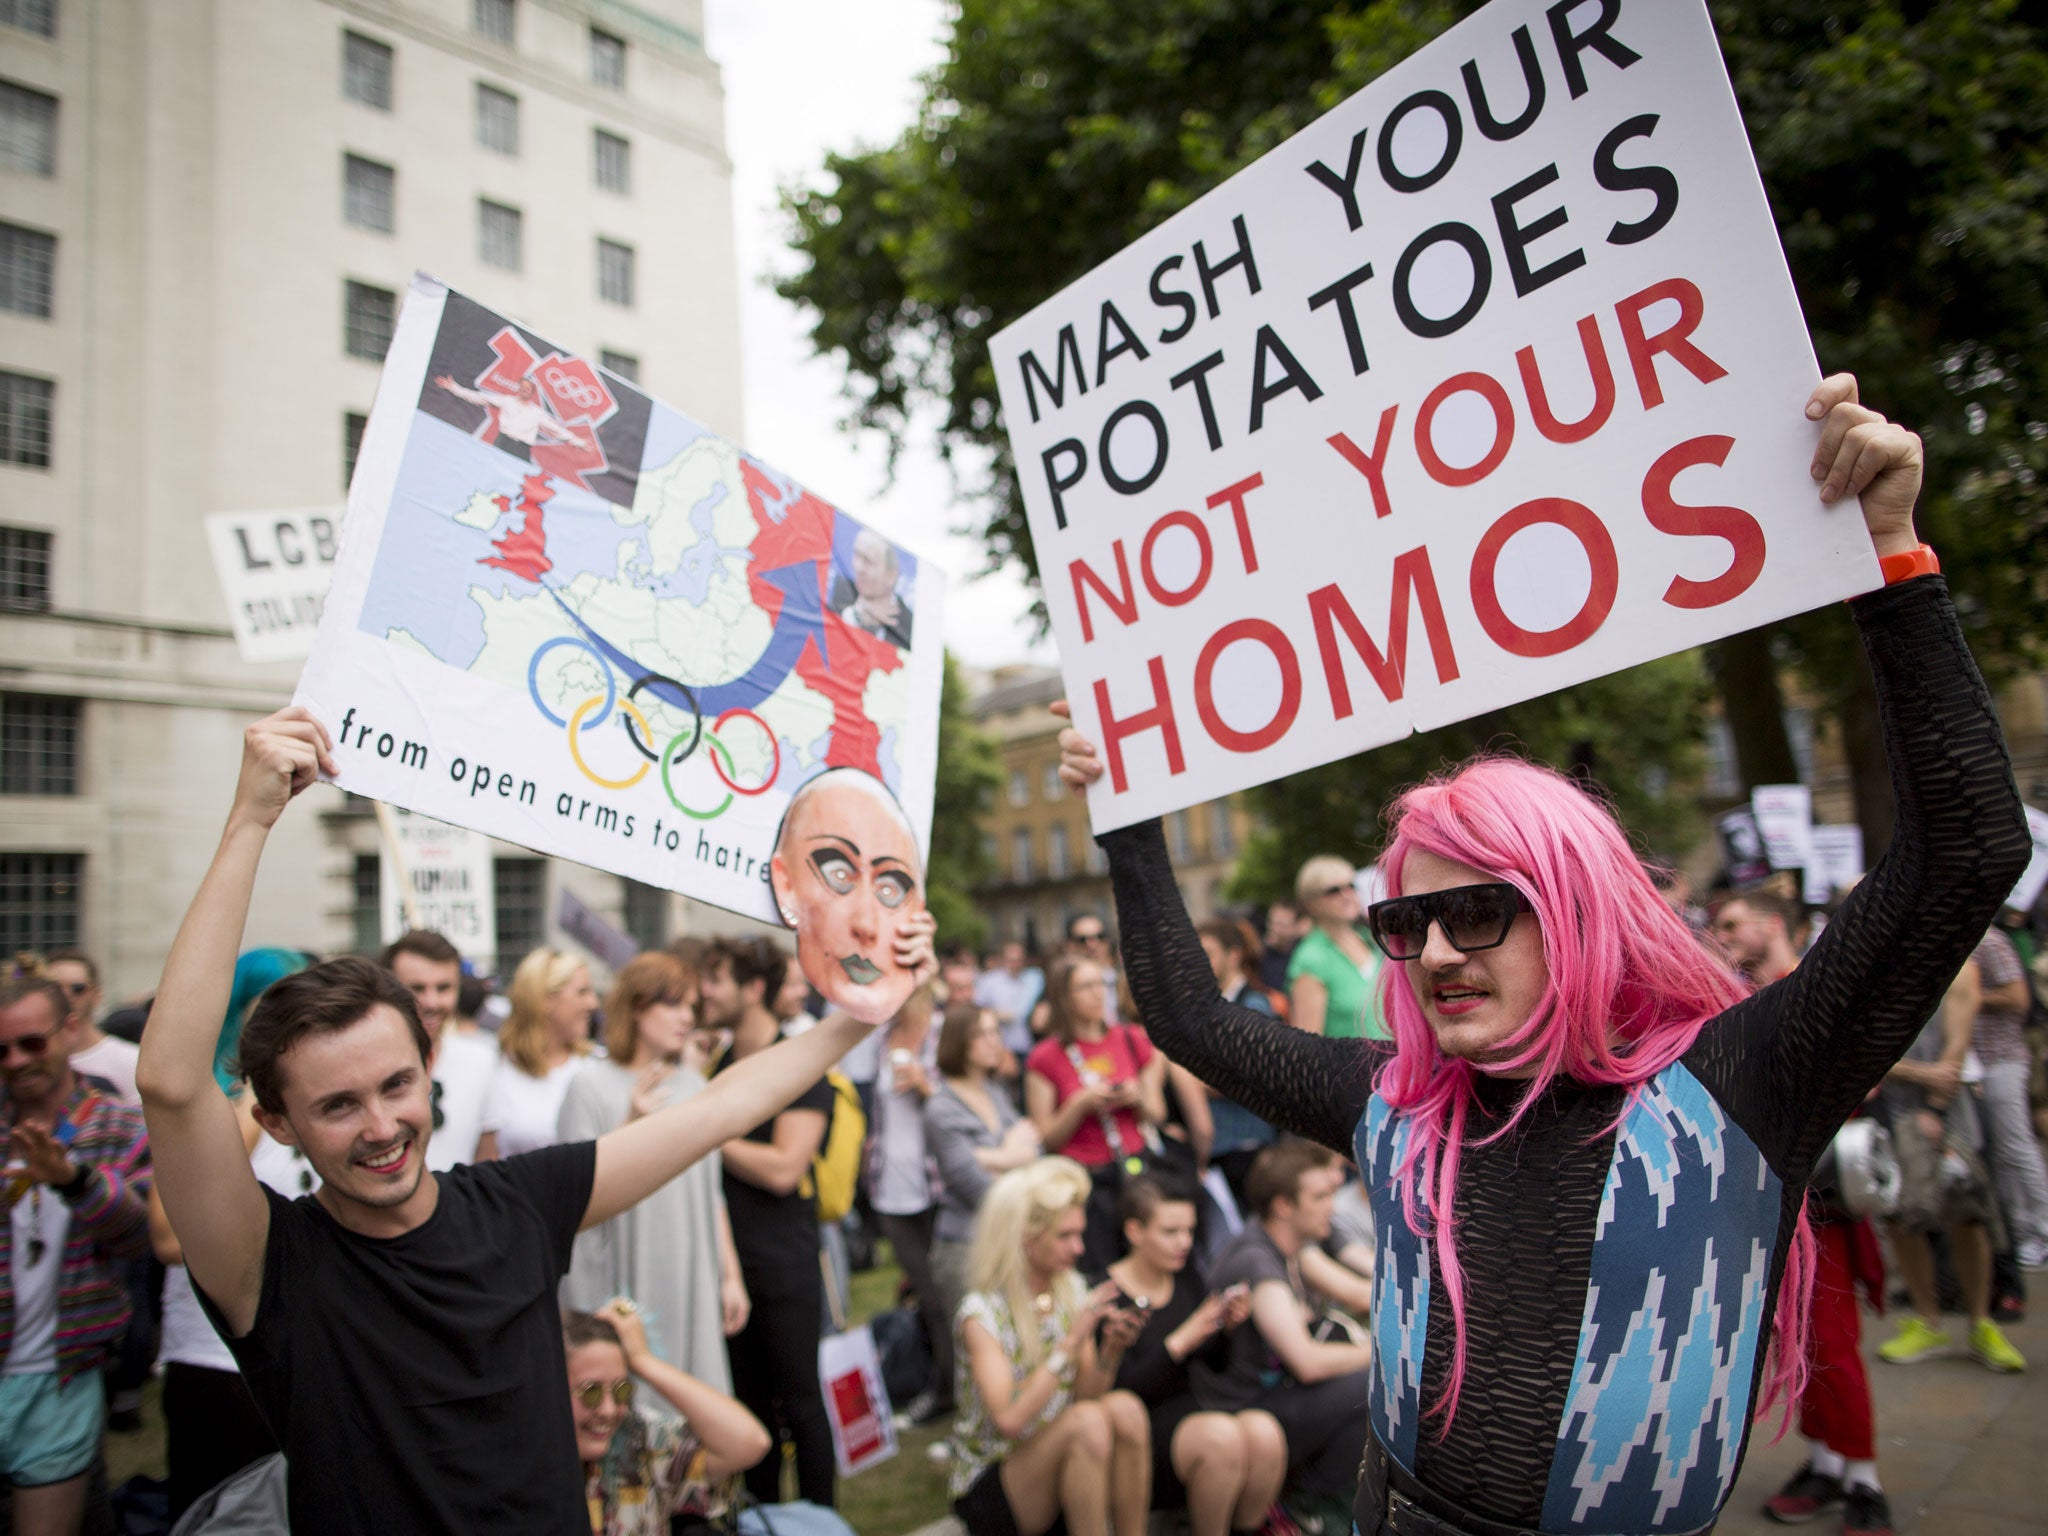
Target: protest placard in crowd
x=1837, y=861
x=566, y=615
x=1488, y=382
x=2028, y=891
x=274, y=569
x=448, y=871
x=1784, y=818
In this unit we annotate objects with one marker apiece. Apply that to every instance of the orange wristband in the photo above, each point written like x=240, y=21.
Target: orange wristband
x=1918, y=561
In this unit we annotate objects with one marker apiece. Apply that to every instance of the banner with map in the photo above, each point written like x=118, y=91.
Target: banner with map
x=567, y=615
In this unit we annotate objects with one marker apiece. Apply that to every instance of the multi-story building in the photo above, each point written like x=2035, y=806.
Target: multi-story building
x=1048, y=868
x=209, y=210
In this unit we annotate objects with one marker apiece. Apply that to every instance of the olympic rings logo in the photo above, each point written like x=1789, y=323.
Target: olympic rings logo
x=598, y=708
x=576, y=391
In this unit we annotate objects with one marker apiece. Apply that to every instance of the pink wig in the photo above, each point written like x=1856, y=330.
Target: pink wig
x=1629, y=987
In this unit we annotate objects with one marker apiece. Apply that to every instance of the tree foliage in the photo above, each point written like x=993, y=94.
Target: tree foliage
x=1904, y=148
x=967, y=779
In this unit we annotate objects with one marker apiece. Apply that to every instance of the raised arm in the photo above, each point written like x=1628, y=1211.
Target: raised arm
x=733, y=1439
x=213, y=1202
x=1795, y=1059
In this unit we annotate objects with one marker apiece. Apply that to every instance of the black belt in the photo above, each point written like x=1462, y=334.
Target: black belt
x=1408, y=1509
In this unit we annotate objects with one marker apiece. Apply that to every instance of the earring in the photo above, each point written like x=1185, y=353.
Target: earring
x=789, y=919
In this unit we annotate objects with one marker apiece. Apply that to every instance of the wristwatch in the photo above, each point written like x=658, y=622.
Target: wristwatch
x=75, y=1187
x=1917, y=561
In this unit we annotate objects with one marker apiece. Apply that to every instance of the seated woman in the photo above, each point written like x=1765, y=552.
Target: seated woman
x=639, y=1469
x=1041, y=1435
x=1224, y=1468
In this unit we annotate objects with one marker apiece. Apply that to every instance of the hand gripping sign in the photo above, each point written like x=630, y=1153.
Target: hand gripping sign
x=1487, y=383
x=568, y=616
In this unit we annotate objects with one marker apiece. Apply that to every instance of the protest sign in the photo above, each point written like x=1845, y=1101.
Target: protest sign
x=274, y=568
x=1837, y=861
x=1488, y=382
x=856, y=1400
x=566, y=615
x=611, y=944
x=449, y=871
x=2028, y=891
x=1742, y=847
x=1784, y=819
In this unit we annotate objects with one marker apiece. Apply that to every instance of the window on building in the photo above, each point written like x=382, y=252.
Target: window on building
x=24, y=570
x=28, y=269
x=492, y=20
x=37, y=16
x=645, y=910
x=519, y=886
x=497, y=119
x=1222, y=841
x=369, y=194
x=614, y=162
x=624, y=364
x=1020, y=855
x=1020, y=787
x=607, y=60
x=42, y=898
x=1181, y=834
x=1799, y=736
x=366, y=905
x=615, y=272
x=1098, y=861
x=25, y=405
x=1058, y=852
x=38, y=744
x=352, y=425
x=1054, y=788
x=498, y=238
x=366, y=70
x=28, y=130
x=372, y=314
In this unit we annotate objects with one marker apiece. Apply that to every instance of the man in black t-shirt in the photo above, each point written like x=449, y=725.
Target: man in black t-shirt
x=398, y=1328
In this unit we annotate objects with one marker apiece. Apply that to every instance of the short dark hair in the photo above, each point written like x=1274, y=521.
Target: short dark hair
x=320, y=1000
x=748, y=960
x=75, y=957
x=425, y=943
x=1087, y=917
x=1143, y=1195
x=1276, y=1173
x=581, y=1328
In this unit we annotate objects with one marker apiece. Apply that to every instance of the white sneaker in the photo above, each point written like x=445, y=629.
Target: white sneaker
x=2033, y=1255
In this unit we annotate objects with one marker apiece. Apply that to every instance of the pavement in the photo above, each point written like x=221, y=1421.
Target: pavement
x=1961, y=1452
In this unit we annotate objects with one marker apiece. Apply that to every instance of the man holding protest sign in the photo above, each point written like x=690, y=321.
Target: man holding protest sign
x=1588, y=1150
x=398, y=1329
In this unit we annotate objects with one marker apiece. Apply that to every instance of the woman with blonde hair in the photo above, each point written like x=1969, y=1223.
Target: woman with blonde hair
x=541, y=1046
x=674, y=1250
x=1041, y=1434
x=1333, y=974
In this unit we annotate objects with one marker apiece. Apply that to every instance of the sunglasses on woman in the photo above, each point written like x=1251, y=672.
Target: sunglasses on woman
x=591, y=1393
x=1473, y=917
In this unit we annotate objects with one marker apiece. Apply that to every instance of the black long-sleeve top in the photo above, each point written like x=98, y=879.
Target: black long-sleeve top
x=1148, y=1368
x=1621, y=1257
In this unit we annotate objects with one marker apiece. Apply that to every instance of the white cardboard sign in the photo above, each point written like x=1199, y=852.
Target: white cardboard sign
x=2028, y=891
x=1784, y=815
x=1486, y=383
x=274, y=570
x=1837, y=861
x=449, y=869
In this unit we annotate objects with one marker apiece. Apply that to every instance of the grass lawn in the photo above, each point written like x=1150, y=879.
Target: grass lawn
x=902, y=1494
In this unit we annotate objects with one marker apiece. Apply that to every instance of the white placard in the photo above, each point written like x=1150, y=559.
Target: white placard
x=2028, y=891
x=569, y=616
x=274, y=570
x=1784, y=816
x=1488, y=382
x=1837, y=861
x=449, y=869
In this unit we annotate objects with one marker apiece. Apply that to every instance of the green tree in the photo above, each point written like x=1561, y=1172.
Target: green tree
x=1905, y=149
x=967, y=779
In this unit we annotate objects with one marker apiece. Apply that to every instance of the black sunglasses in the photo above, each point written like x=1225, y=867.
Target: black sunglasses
x=30, y=1046
x=1473, y=917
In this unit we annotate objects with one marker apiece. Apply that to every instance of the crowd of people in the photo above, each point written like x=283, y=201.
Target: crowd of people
x=1346, y=1217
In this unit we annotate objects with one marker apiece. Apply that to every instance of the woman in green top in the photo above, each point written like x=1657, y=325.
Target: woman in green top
x=1333, y=975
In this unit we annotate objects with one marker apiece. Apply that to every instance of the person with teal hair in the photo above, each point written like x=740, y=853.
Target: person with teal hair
x=254, y=973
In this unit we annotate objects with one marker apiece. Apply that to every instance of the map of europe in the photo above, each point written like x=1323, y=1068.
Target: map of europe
x=635, y=577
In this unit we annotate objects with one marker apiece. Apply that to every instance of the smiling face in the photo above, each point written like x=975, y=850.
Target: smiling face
x=570, y=1007
x=847, y=874
x=602, y=1365
x=33, y=1049
x=1472, y=1002
x=434, y=984
x=359, y=1103
x=79, y=986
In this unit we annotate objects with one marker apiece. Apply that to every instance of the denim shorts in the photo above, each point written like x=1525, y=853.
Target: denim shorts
x=49, y=1431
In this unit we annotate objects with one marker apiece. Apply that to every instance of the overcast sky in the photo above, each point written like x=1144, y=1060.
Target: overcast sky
x=804, y=77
